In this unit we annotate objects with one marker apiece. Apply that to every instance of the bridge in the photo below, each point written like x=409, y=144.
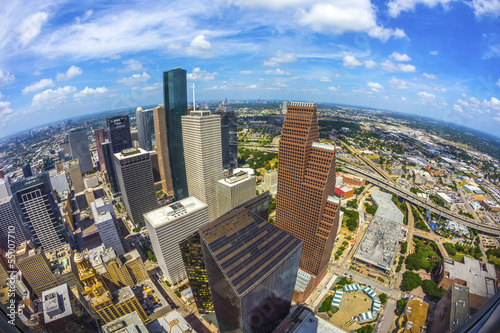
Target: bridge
x=416, y=200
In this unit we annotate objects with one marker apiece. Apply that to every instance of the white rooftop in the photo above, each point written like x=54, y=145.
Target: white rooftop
x=172, y=212
x=481, y=277
x=323, y=145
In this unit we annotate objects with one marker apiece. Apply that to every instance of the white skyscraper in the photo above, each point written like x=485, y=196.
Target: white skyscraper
x=135, y=178
x=105, y=222
x=169, y=225
x=4, y=188
x=234, y=190
x=79, y=144
x=201, y=133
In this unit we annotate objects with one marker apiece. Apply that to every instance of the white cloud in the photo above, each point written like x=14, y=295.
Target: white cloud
x=199, y=47
x=399, y=84
x=434, y=52
x=430, y=76
x=333, y=88
x=154, y=86
x=439, y=89
x=135, y=79
x=132, y=66
x=201, y=75
x=72, y=72
x=5, y=78
x=426, y=96
x=493, y=104
x=52, y=97
x=400, y=57
x=91, y=92
x=42, y=84
x=398, y=6
x=350, y=61
x=389, y=66
x=498, y=83
x=406, y=68
x=174, y=46
x=246, y=72
x=325, y=79
x=458, y=108
x=31, y=27
x=375, y=86
x=276, y=71
x=6, y=113
x=280, y=57
x=36, y=73
x=486, y=7
x=253, y=86
x=404, y=98
x=370, y=64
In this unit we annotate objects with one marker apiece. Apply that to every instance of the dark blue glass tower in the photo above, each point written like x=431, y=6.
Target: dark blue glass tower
x=175, y=98
x=27, y=170
x=119, y=133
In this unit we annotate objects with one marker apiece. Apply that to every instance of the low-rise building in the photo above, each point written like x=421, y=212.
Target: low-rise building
x=457, y=228
x=447, y=200
x=452, y=310
x=130, y=322
x=490, y=205
x=414, y=317
x=352, y=180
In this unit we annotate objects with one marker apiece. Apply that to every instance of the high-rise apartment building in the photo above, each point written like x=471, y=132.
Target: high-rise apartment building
x=229, y=136
x=145, y=128
x=168, y=226
x=11, y=225
x=76, y=176
x=100, y=136
x=251, y=268
x=104, y=219
x=305, y=207
x=203, y=157
x=40, y=212
x=79, y=144
x=175, y=102
x=159, y=118
x=135, y=176
x=234, y=190
x=5, y=188
x=27, y=170
x=118, y=129
x=109, y=162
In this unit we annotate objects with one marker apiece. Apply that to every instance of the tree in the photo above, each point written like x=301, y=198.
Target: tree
x=430, y=288
x=327, y=304
x=411, y=281
x=400, y=306
x=366, y=329
x=404, y=247
x=450, y=249
x=383, y=298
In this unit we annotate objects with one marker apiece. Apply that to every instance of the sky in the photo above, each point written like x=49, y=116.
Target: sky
x=435, y=58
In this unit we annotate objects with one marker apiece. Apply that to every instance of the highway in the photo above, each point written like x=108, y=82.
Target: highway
x=416, y=200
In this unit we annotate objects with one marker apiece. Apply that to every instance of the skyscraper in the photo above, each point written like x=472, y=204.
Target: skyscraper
x=159, y=119
x=40, y=212
x=234, y=190
x=175, y=102
x=168, y=226
x=229, y=136
x=4, y=188
x=202, y=154
x=251, y=268
x=13, y=232
x=105, y=223
x=76, y=176
x=100, y=136
x=79, y=144
x=27, y=170
x=135, y=176
x=145, y=128
x=109, y=162
x=119, y=133
x=305, y=207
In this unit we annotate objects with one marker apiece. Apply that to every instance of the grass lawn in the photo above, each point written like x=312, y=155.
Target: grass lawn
x=494, y=260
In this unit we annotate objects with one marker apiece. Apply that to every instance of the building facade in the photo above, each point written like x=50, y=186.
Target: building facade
x=203, y=157
x=27, y=170
x=76, y=176
x=235, y=190
x=12, y=227
x=145, y=128
x=105, y=222
x=100, y=136
x=118, y=129
x=159, y=118
x=4, y=188
x=107, y=152
x=79, y=144
x=229, y=136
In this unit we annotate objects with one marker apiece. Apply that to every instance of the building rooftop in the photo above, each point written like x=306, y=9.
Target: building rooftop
x=166, y=214
x=60, y=260
x=172, y=322
x=247, y=248
x=416, y=315
x=480, y=277
x=459, y=304
x=56, y=303
x=307, y=105
x=103, y=217
x=95, y=259
x=126, y=153
x=123, y=294
x=132, y=255
x=129, y=323
x=235, y=178
x=323, y=146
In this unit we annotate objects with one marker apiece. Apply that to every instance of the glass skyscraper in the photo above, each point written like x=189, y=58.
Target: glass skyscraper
x=119, y=133
x=145, y=128
x=229, y=136
x=175, y=99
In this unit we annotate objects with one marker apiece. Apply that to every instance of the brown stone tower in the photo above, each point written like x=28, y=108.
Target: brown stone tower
x=305, y=206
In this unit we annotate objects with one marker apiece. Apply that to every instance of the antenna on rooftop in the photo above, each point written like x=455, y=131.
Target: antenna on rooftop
x=194, y=104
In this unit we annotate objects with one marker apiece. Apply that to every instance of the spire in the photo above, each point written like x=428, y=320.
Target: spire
x=194, y=103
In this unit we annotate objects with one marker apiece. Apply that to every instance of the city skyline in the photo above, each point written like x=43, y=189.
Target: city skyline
x=401, y=56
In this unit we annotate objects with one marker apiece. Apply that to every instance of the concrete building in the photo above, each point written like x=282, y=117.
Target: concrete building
x=100, y=136
x=104, y=220
x=480, y=278
x=271, y=181
x=59, y=182
x=447, y=200
x=490, y=205
x=203, y=157
x=414, y=317
x=79, y=144
x=128, y=323
x=12, y=229
x=4, y=188
x=452, y=310
x=76, y=176
x=168, y=226
x=91, y=182
x=64, y=313
x=145, y=128
x=159, y=119
x=135, y=176
x=380, y=242
x=234, y=190
x=172, y=322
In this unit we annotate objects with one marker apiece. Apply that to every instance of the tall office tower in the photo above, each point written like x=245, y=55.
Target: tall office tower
x=305, y=207
x=135, y=176
x=229, y=136
x=119, y=133
x=285, y=108
x=168, y=226
x=27, y=170
x=156, y=168
x=40, y=212
x=100, y=136
x=59, y=182
x=76, y=176
x=35, y=268
x=5, y=188
x=13, y=232
x=234, y=190
x=64, y=313
x=145, y=128
x=109, y=306
x=175, y=101
x=107, y=152
x=106, y=226
x=202, y=153
x=124, y=270
x=79, y=144
x=162, y=149
x=251, y=267
x=2, y=175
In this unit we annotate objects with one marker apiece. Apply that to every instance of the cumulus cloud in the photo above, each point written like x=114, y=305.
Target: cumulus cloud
x=375, y=86
x=132, y=66
x=154, y=86
x=389, y=66
x=199, y=47
x=42, y=84
x=398, y=6
x=431, y=98
x=426, y=96
x=486, y=7
x=399, y=84
x=5, y=78
x=246, y=72
x=325, y=79
x=439, y=89
x=72, y=72
x=404, y=98
x=31, y=27
x=350, y=61
x=201, y=75
x=276, y=71
x=174, y=46
x=333, y=88
x=280, y=57
x=430, y=76
x=434, y=52
x=91, y=92
x=6, y=112
x=52, y=97
x=370, y=64
x=252, y=86
x=400, y=57
x=135, y=79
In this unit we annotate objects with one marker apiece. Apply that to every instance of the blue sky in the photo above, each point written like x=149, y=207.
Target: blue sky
x=437, y=58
